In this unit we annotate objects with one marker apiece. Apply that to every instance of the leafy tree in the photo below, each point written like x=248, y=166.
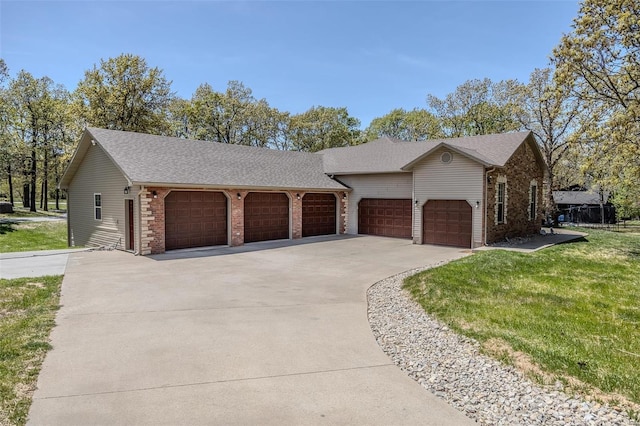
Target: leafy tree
x=29, y=97
x=417, y=124
x=179, y=112
x=553, y=116
x=221, y=117
x=124, y=93
x=39, y=129
x=473, y=109
x=8, y=144
x=323, y=127
x=600, y=59
x=234, y=116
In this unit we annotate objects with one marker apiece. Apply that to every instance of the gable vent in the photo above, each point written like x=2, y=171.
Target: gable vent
x=446, y=157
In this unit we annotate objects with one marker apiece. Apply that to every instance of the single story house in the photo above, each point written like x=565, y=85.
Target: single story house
x=148, y=194
x=584, y=206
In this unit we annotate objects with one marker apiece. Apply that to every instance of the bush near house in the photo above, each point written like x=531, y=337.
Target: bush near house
x=571, y=309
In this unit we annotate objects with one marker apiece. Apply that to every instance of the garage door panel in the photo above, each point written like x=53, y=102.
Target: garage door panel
x=318, y=214
x=447, y=222
x=266, y=216
x=385, y=217
x=195, y=219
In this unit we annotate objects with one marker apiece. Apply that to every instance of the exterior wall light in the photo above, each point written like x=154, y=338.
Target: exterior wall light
x=477, y=204
x=126, y=190
x=155, y=194
x=239, y=196
x=415, y=203
x=298, y=196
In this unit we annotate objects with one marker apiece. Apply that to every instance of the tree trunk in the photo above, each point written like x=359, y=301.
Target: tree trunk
x=26, y=197
x=549, y=205
x=32, y=200
x=10, y=184
x=57, y=197
x=45, y=179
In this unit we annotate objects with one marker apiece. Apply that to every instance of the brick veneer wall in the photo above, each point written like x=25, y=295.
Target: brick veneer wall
x=519, y=171
x=237, y=216
x=152, y=219
x=296, y=213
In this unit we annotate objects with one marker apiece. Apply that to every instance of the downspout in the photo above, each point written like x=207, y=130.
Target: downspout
x=414, y=216
x=486, y=198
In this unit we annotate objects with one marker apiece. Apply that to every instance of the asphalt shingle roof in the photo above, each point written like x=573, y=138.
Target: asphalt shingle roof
x=167, y=160
x=578, y=198
x=387, y=155
x=161, y=160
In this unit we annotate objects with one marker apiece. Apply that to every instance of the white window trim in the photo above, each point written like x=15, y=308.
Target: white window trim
x=499, y=180
x=96, y=207
x=533, y=199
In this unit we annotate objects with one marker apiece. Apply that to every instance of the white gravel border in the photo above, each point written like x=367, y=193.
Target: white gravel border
x=452, y=367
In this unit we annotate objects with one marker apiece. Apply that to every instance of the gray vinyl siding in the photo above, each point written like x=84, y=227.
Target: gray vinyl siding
x=461, y=179
x=388, y=185
x=97, y=174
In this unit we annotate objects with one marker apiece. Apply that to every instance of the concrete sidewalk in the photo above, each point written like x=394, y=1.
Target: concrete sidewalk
x=536, y=242
x=274, y=336
x=25, y=264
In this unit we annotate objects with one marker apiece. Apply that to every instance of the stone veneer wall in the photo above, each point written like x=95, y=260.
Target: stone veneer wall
x=343, y=212
x=152, y=220
x=519, y=171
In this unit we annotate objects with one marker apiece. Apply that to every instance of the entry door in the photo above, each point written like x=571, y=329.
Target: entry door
x=130, y=243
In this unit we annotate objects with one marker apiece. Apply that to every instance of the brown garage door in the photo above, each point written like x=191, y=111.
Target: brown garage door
x=318, y=214
x=195, y=219
x=266, y=216
x=385, y=217
x=447, y=222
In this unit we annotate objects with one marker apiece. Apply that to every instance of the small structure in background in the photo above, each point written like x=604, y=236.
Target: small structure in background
x=6, y=207
x=584, y=206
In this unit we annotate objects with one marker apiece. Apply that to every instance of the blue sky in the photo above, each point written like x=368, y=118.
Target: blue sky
x=368, y=56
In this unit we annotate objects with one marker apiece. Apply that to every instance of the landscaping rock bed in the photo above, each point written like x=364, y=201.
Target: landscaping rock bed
x=452, y=367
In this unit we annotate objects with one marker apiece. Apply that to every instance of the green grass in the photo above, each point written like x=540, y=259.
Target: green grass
x=572, y=309
x=22, y=212
x=28, y=236
x=27, y=311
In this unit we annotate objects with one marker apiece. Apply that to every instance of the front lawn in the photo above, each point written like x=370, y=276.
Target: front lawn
x=19, y=211
x=28, y=236
x=27, y=311
x=568, y=312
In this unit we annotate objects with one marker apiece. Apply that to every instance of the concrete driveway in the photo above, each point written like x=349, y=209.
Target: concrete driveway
x=270, y=333
x=34, y=263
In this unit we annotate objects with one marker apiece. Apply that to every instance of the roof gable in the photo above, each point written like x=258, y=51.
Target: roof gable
x=387, y=155
x=160, y=160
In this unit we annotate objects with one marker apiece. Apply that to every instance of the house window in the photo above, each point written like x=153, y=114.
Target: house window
x=533, y=200
x=501, y=200
x=97, y=206
x=500, y=204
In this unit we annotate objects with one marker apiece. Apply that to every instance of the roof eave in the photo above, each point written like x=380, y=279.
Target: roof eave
x=239, y=187
x=368, y=172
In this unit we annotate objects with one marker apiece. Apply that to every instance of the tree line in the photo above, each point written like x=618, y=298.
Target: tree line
x=584, y=111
